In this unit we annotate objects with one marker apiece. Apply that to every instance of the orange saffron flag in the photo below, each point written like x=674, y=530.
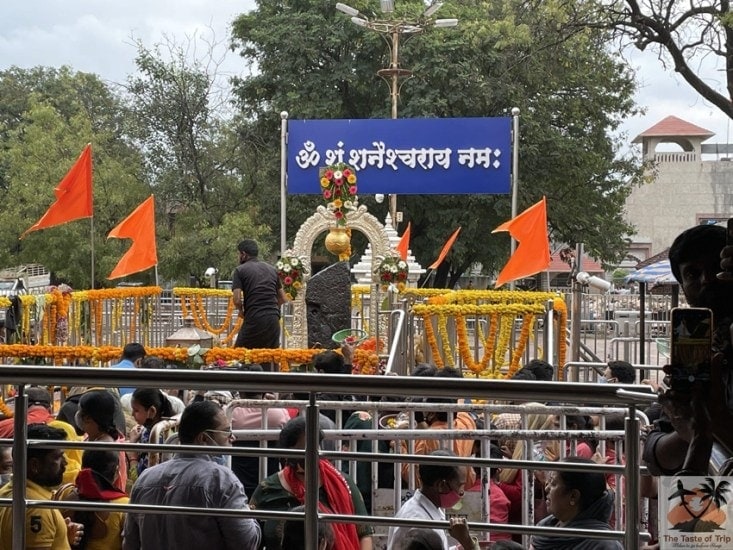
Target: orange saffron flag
x=404, y=244
x=533, y=253
x=140, y=227
x=446, y=248
x=73, y=195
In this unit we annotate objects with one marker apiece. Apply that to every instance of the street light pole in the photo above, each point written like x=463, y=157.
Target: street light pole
x=391, y=30
x=393, y=75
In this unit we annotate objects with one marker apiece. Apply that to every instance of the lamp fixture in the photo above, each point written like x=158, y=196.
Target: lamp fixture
x=432, y=8
x=442, y=23
x=348, y=10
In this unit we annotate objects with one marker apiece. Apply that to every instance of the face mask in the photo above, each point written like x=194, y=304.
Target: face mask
x=219, y=459
x=602, y=380
x=450, y=499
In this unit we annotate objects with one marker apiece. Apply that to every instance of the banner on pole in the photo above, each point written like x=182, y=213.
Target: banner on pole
x=404, y=156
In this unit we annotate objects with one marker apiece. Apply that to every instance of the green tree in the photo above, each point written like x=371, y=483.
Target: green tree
x=313, y=62
x=47, y=117
x=195, y=159
x=686, y=36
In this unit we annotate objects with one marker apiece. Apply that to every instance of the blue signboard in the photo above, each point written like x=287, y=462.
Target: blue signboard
x=404, y=156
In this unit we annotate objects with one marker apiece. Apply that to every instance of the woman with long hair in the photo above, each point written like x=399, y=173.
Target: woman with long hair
x=96, y=418
x=510, y=479
x=149, y=406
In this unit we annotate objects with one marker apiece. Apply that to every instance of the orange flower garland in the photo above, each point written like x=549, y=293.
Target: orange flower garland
x=432, y=341
x=527, y=322
x=560, y=307
x=4, y=409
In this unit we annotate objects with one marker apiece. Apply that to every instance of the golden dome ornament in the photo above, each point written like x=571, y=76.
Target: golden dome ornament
x=338, y=240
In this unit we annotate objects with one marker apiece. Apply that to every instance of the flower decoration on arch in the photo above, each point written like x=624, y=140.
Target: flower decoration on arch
x=392, y=272
x=290, y=270
x=338, y=188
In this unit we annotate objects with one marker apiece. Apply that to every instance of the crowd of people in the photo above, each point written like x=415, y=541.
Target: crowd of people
x=692, y=416
x=210, y=481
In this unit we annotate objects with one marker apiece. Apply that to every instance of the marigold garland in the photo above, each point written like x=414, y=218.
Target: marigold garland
x=4, y=409
x=443, y=331
x=103, y=354
x=560, y=307
x=182, y=292
x=432, y=342
x=527, y=323
x=505, y=333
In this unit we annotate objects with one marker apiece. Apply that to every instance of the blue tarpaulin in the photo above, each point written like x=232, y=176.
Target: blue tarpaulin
x=658, y=273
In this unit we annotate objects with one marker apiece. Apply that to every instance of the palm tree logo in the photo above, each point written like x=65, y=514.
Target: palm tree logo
x=700, y=509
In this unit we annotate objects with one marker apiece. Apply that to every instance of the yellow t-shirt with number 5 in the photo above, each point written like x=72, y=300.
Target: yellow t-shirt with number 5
x=45, y=528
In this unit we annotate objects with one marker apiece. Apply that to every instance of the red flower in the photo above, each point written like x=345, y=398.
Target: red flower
x=339, y=181
x=328, y=174
x=338, y=214
x=352, y=189
x=288, y=281
x=346, y=173
x=327, y=194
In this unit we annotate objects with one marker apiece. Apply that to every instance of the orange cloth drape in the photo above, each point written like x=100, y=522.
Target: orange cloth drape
x=446, y=248
x=533, y=253
x=73, y=195
x=404, y=244
x=140, y=227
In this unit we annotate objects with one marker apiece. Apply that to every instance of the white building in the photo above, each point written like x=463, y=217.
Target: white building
x=681, y=189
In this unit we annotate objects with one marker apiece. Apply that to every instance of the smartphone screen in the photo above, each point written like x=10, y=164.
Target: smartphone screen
x=692, y=338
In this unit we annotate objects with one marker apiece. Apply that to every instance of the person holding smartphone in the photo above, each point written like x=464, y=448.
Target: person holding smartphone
x=702, y=410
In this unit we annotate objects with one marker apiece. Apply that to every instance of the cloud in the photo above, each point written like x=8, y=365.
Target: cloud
x=96, y=36
x=93, y=36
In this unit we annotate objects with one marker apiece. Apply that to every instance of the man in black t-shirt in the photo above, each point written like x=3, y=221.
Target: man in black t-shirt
x=258, y=294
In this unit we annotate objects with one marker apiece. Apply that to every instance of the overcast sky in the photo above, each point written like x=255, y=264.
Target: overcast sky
x=96, y=36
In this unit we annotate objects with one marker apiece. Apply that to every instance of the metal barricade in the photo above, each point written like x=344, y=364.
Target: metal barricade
x=574, y=394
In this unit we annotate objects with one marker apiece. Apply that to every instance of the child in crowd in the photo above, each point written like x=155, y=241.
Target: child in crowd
x=149, y=406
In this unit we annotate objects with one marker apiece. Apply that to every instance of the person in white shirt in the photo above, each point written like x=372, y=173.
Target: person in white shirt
x=441, y=488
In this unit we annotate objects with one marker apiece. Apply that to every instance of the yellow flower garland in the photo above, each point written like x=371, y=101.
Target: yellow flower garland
x=443, y=331
x=505, y=333
x=527, y=322
x=502, y=313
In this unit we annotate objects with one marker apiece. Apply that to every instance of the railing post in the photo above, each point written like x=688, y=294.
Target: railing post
x=631, y=443
x=20, y=468
x=312, y=431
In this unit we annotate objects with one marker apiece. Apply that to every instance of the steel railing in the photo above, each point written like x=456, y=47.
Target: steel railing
x=571, y=393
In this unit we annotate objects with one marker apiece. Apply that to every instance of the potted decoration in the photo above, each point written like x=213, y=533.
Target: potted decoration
x=290, y=270
x=392, y=273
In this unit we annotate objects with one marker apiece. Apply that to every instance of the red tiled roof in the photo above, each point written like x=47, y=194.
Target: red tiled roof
x=674, y=127
x=558, y=266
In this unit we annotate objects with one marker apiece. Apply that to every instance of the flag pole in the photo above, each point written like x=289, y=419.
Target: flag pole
x=515, y=178
x=283, y=181
x=91, y=224
x=92, y=241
